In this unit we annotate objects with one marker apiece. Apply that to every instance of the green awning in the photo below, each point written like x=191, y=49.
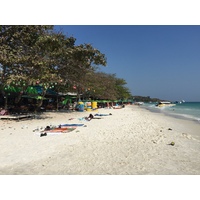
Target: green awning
x=34, y=97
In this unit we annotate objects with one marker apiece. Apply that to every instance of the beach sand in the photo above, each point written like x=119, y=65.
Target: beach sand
x=131, y=141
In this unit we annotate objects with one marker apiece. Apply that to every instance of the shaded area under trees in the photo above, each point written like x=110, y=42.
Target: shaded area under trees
x=39, y=56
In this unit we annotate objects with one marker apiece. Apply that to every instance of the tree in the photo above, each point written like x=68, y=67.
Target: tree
x=121, y=90
x=106, y=86
x=35, y=55
x=18, y=56
x=80, y=61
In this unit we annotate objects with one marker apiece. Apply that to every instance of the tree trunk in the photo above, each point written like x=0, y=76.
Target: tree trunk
x=5, y=102
x=18, y=98
x=40, y=101
x=5, y=98
x=57, y=102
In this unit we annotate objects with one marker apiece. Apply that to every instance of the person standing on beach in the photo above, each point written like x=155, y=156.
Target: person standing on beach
x=74, y=106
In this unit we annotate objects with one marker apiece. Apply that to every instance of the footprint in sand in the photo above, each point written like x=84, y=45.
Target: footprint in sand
x=187, y=136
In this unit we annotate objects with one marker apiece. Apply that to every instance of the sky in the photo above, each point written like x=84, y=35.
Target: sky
x=160, y=61
x=153, y=45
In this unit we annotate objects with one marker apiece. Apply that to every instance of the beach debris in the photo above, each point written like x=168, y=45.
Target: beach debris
x=43, y=134
x=154, y=141
x=169, y=129
x=172, y=143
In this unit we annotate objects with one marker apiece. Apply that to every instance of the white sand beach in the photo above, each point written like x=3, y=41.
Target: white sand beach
x=131, y=141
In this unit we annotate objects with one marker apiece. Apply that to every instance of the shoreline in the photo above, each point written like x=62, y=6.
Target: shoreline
x=189, y=123
x=131, y=141
x=174, y=115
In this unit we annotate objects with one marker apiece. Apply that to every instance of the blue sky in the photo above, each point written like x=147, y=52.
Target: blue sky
x=156, y=61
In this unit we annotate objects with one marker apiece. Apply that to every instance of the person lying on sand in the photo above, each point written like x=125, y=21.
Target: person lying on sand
x=89, y=118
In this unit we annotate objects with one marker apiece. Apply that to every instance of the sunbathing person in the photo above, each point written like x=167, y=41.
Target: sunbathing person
x=89, y=118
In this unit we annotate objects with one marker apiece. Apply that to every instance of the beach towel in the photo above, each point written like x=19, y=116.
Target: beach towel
x=54, y=131
x=72, y=124
x=103, y=114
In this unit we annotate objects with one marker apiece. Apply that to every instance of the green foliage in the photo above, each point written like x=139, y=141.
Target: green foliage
x=145, y=99
x=105, y=86
x=36, y=55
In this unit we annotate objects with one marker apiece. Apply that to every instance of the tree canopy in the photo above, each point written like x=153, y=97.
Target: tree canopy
x=37, y=55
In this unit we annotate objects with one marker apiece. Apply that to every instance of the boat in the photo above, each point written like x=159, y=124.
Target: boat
x=139, y=103
x=179, y=102
x=165, y=103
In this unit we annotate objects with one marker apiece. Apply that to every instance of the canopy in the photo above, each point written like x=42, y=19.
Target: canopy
x=37, y=89
x=34, y=97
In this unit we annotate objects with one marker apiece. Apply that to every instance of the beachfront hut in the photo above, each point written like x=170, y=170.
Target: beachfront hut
x=7, y=97
x=69, y=98
x=35, y=93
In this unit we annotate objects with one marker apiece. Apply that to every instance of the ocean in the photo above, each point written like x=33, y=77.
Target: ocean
x=187, y=110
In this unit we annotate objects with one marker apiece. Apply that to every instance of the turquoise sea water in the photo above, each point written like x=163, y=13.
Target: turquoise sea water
x=188, y=110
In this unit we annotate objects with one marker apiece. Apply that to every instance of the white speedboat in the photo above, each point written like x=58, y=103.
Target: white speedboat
x=164, y=104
